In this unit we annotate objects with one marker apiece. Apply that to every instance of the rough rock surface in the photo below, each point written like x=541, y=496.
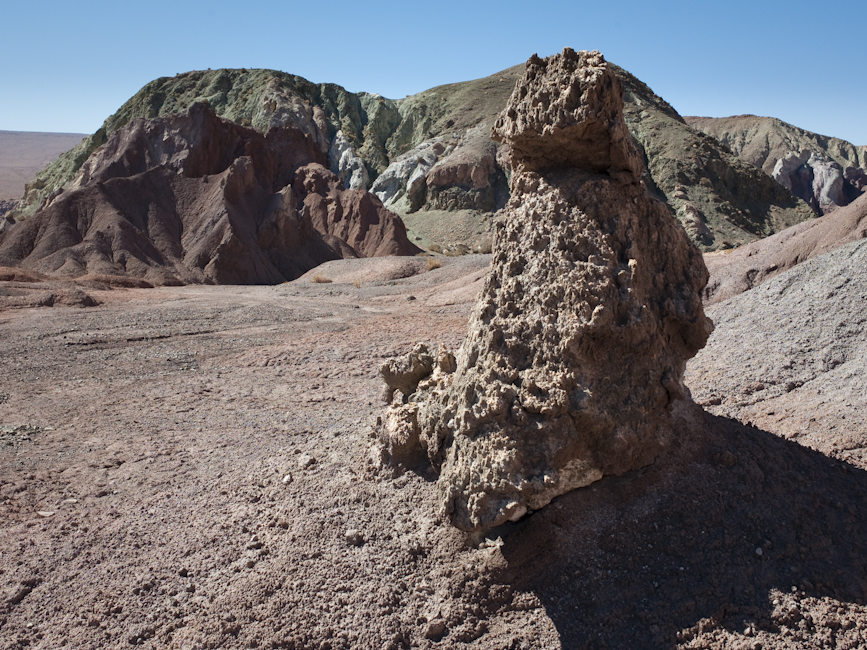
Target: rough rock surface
x=736, y=271
x=353, y=216
x=826, y=172
x=543, y=398
x=347, y=164
x=6, y=205
x=468, y=177
x=402, y=186
x=194, y=198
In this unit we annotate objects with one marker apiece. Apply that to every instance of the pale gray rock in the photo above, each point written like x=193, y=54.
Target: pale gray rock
x=827, y=182
x=814, y=177
x=577, y=345
x=402, y=186
x=347, y=164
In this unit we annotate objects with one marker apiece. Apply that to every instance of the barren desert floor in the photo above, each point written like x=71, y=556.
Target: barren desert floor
x=193, y=467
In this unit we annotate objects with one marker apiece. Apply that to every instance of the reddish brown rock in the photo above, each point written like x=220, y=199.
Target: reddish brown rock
x=194, y=198
x=355, y=217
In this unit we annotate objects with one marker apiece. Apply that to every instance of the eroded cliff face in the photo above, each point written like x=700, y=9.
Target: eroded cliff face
x=195, y=198
x=577, y=345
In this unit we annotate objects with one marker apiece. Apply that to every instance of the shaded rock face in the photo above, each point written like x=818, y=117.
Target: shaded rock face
x=577, y=345
x=194, y=198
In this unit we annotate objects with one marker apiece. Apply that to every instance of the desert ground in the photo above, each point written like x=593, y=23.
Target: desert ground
x=194, y=467
x=23, y=154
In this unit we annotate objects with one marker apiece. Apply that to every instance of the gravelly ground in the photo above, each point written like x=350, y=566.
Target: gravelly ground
x=190, y=468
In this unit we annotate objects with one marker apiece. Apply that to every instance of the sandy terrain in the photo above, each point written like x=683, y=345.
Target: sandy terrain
x=23, y=154
x=191, y=467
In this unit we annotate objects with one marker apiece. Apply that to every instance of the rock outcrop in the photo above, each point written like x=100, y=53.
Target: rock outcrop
x=195, y=198
x=827, y=173
x=577, y=345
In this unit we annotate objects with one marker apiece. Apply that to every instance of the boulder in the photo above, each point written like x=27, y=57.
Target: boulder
x=577, y=344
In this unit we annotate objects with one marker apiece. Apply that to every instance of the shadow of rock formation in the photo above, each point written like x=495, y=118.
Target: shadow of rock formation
x=724, y=535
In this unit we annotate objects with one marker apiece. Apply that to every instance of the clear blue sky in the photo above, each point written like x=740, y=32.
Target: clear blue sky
x=65, y=66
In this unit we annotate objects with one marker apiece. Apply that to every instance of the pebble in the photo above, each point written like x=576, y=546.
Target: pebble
x=435, y=629
x=759, y=551
x=287, y=479
x=305, y=461
x=45, y=513
x=354, y=537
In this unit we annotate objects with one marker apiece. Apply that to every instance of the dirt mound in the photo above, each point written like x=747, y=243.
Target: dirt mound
x=194, y=198
x=736, y=271
x=541, y=399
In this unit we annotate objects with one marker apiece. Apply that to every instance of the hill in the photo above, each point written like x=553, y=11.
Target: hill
x=825, y=172
x=430, y=155
x=733, y=272
x=195, y=198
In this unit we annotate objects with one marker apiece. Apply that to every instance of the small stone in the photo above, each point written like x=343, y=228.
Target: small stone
x=306, y=461
x=435, y=629
x=410, y=297
x=354, y=537
x=45, y=513
x=759, y=551
x=287, y=479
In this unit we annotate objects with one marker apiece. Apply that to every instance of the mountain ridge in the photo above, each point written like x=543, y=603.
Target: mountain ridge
x=825, y=171
x=431, y=153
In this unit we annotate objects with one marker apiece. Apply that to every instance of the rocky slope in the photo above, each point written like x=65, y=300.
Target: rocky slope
x=790, y=356
x=431, y=153
x=825, y=172
x=195, y=198
x=733, y=272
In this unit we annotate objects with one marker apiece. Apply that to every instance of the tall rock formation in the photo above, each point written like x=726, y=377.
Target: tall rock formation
x=195, y=198
x=577, y=345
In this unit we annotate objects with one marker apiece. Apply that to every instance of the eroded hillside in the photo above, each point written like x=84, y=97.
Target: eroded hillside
x=430, y=155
